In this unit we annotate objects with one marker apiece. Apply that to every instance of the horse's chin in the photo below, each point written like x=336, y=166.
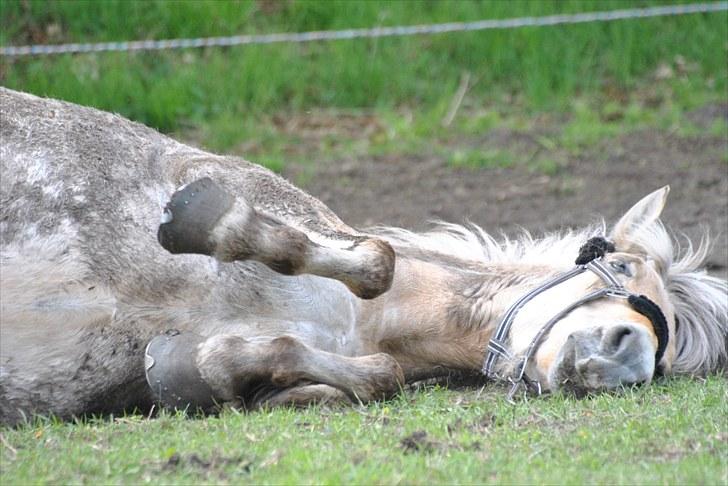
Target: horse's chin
x=586, y=365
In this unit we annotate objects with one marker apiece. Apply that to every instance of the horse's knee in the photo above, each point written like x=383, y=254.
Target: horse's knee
x=373, y=274
x=285, y=353
x=386, y=378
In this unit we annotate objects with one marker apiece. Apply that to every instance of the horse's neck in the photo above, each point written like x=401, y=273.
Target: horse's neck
x=444, y=314
x=480, y=299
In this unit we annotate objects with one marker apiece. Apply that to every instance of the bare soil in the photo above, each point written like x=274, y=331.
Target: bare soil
x=601, y=181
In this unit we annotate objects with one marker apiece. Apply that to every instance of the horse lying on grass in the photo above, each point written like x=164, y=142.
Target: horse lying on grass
x=295, y=306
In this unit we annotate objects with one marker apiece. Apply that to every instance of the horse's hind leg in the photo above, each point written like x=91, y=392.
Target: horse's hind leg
x=232, y=366
x=204, y=218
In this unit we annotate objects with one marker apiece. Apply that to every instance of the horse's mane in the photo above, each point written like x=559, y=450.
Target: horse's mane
x=700, y=300
x=471, y=242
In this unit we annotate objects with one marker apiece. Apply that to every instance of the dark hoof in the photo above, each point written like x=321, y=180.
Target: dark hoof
x=171, y=370
x=190, y=216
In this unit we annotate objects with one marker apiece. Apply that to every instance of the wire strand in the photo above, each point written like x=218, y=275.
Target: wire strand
x=330, y=35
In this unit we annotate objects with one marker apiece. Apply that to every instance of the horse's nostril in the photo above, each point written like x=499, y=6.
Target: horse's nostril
x=615, y=338
x=582, y=366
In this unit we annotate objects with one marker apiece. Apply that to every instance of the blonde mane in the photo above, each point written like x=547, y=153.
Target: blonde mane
x=700, y=300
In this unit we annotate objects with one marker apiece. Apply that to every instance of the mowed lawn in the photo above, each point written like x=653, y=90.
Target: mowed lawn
x=672, y=432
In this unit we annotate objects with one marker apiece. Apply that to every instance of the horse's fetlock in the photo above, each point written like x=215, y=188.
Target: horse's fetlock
x=232, y=236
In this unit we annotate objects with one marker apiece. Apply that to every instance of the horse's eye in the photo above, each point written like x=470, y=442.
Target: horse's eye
x=621, y=267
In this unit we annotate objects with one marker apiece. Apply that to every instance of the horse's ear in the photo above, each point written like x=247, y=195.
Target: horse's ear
x=642, y=215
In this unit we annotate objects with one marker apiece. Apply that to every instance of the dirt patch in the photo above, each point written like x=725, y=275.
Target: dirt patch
x=216, y=465
x=420, y=442
x=601, y=181
x=417, y=441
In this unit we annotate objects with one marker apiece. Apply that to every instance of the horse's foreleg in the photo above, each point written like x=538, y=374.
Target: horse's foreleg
x=304, y=395
x=203, y=218
x=232, y=365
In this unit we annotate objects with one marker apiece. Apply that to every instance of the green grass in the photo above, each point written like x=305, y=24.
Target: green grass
x=672, y=432
x=595, y=81
x=537, y=68
x=480, y=159
x=465, y=144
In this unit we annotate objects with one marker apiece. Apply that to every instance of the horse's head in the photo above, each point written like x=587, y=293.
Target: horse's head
x=674, y=322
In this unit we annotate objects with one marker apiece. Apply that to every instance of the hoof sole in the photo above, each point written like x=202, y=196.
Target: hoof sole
x=171, y=371
x=190, y=216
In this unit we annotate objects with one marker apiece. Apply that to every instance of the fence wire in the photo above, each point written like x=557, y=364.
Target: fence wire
x=329, y=35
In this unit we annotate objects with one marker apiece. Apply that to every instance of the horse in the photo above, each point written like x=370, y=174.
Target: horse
x=135, y=269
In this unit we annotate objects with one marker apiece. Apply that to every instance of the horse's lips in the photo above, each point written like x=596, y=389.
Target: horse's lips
x=562, y=368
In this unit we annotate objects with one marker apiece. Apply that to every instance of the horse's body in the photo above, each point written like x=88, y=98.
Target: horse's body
x=85, y=285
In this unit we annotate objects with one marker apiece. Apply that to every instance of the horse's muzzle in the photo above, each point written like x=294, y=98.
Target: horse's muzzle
x=603, y=358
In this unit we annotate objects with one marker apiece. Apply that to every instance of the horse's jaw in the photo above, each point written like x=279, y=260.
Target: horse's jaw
x=603, y=357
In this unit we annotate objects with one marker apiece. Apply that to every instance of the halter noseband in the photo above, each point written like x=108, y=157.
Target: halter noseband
x=591, y=259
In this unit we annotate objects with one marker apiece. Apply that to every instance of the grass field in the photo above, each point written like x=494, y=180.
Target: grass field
x=629, y=73
x=235, y=89
x=672, y=432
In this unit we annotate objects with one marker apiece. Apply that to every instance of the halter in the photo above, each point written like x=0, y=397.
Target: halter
x=590, y=259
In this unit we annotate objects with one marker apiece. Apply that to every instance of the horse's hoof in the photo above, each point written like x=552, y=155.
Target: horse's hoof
x=190, y=216
x=172, y=374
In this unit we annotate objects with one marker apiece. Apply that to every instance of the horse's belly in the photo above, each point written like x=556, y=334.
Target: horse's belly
x=48, y=309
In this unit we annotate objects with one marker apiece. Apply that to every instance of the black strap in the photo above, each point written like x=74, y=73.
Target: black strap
x=652, y=311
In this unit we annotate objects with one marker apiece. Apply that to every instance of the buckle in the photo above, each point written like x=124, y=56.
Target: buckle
x=512, y=392
x=619, y=292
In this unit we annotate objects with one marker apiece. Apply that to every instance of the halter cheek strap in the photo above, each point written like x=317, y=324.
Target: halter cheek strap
x=590, y=259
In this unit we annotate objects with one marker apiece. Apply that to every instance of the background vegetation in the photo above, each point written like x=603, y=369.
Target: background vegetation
x=230, y=95
x=579, y=84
